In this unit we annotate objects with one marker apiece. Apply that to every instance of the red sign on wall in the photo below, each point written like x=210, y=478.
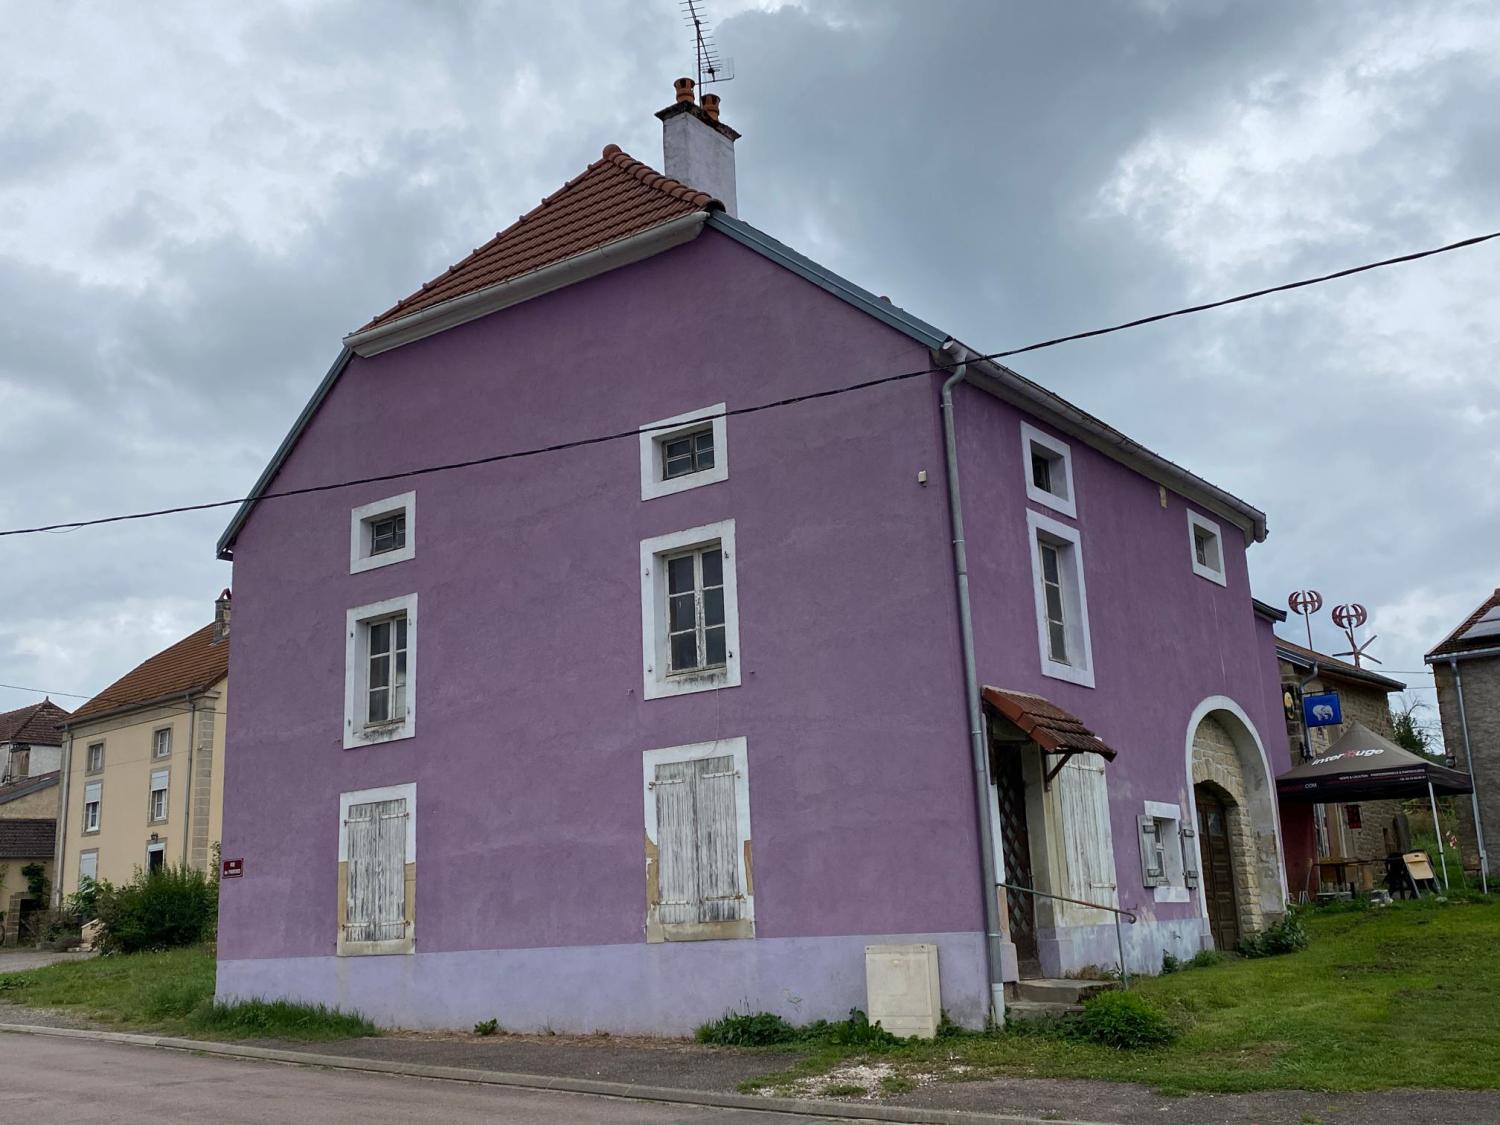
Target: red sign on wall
x=233, y=868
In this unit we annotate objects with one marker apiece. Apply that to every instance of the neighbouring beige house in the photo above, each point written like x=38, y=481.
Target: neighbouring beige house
x=143, y=765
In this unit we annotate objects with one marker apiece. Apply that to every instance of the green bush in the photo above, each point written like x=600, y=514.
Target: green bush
x=487, y=1027
x=1124, y=1020
x=1206, y=959
x=760, y=1029
x=163, y=909
x=1285, y=936
x=1170, y=964
x=856, y=1031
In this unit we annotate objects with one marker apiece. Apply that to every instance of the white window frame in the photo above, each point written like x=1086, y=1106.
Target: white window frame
x=1172, y=885
x=86, y=858
x=1062, y=455
x=658, y=681
x=362, y=517
x=165, y=776
x=1195, y=524
x=1075, y=600
x=654, y=435
x=98, y=803
x=408, y=793
x=736, y=748
x=358, y=732
x=157, y=742
x=88, y=759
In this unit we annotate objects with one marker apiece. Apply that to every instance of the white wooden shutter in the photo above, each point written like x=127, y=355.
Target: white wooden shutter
x=697, y=829
x=1150, y=853
x=1189, y=856
x=1088, y=847
x=718, y=840
x=375, y=908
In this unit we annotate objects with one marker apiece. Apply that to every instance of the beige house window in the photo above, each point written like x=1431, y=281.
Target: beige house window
x=157, y=805
x=93, y=800
x=161, y=743
x=95, y=760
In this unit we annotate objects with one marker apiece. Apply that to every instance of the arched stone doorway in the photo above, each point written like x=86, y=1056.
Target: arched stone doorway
x=1234, y=804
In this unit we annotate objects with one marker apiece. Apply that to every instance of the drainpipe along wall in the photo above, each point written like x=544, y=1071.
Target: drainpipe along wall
x=1463, y=722
x=992, y=876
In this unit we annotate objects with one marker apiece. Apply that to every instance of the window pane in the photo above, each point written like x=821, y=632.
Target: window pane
x=680, y=574
x=1054, y=602
x=398, y=708
x=713, y=567
x=1200, y=547
x=677, y=457
x=1041, y=472
x=714, y=639
x=684, y=651
x=400, y=668
x=682, y=613
x=380, y=637
x=1049, y=562
x=380, y=671
x=1057, y=642
x=703, y=451
x=379, y=706
x=713, y=606
x=401, y=631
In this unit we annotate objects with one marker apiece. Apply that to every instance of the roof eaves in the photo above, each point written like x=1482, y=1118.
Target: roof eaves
x=225, y=549
x=183, y=695
x=1300, y=657
x=1268, y=611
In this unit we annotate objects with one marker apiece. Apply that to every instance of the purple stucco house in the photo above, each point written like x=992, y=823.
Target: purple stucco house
x=706, y=708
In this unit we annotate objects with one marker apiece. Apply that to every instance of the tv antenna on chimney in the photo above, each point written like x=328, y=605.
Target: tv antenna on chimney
x=712, y=66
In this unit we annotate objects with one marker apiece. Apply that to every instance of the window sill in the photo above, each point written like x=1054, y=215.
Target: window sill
x=376, y=948
x=740, y=929
x=686, y=683
x=1215, y=576
x=1084, y=677
x=1058, y=504
x=374, y=734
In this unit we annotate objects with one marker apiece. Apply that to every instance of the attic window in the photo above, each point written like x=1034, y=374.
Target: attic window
x=1048, y=465
x=1207, y=548
x=383, y=532
x=684, y=452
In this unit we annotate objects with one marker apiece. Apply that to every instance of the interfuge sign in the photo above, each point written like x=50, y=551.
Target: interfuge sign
x=232, y=869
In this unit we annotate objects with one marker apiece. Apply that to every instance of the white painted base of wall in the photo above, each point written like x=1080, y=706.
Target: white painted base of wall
x=657, y=989
x=1075, y=948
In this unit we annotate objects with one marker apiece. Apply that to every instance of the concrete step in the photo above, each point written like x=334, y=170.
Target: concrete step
x=1054, y=991
x=1039, y=1009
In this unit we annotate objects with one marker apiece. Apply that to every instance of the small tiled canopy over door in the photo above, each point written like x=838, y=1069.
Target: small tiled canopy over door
x=376, y=904
x=698, y=836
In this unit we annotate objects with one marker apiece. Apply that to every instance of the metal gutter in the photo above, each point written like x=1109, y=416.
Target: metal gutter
x=471, y=306
x=993, y=877
x=225, y=549
x=145, y=704
x=809, y=270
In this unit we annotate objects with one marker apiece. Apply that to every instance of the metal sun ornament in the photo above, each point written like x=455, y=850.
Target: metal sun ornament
x=1349, y=617
x=1306, y=603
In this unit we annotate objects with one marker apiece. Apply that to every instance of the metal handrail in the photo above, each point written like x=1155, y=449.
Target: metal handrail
x=1115, y=910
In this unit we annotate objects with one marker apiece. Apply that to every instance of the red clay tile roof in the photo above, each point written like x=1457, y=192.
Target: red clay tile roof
x=1046, y=724
x=27, y=839
x=1457, y=642
x=193, y=664
x=1336, y=667
x=26, y=786
x=614, y=197
x=35, y=725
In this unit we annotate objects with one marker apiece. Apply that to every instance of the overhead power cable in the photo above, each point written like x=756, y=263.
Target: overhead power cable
x=866, y=384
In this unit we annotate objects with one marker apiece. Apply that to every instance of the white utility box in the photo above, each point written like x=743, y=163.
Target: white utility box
x=901, y=989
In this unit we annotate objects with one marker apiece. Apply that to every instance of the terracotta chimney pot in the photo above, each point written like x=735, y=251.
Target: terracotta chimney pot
x=710, y=104
x=684, y=88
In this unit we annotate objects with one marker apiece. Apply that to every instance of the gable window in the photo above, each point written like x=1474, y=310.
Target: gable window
x=377, y=870
x=382, y=532
x=1206, y=545
x=161, y=743
x=1168, y=852
x=158, y=800
x=20, y=764
x=380, y=672
x=95, y=762
x=1061, y=600
x=93, y=801
x=687, y=451
x=1048, y=464
x=698, y=842
x=689, y=611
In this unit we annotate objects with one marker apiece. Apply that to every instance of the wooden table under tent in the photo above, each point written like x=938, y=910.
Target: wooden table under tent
x=1363, y=766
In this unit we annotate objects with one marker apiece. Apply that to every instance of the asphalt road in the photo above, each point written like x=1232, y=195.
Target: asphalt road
x=46, y=1081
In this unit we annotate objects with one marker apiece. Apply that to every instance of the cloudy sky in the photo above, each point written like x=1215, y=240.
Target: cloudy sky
x=198, y=200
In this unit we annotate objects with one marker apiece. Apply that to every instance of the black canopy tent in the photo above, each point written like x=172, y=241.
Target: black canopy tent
x=1363, y=766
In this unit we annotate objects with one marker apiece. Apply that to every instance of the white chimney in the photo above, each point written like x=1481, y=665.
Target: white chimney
x=697, y=148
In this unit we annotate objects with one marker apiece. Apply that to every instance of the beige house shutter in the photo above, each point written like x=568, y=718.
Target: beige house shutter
x=375, y=909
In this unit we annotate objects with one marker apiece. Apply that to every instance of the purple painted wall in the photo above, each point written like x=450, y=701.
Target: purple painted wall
x=530, y=727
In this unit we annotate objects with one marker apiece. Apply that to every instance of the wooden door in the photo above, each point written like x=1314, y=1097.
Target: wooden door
x=1218, y=869
x=1015, y=845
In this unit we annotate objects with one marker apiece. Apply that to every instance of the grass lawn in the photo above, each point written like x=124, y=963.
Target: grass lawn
x=171, y=993
x=1404, y=996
